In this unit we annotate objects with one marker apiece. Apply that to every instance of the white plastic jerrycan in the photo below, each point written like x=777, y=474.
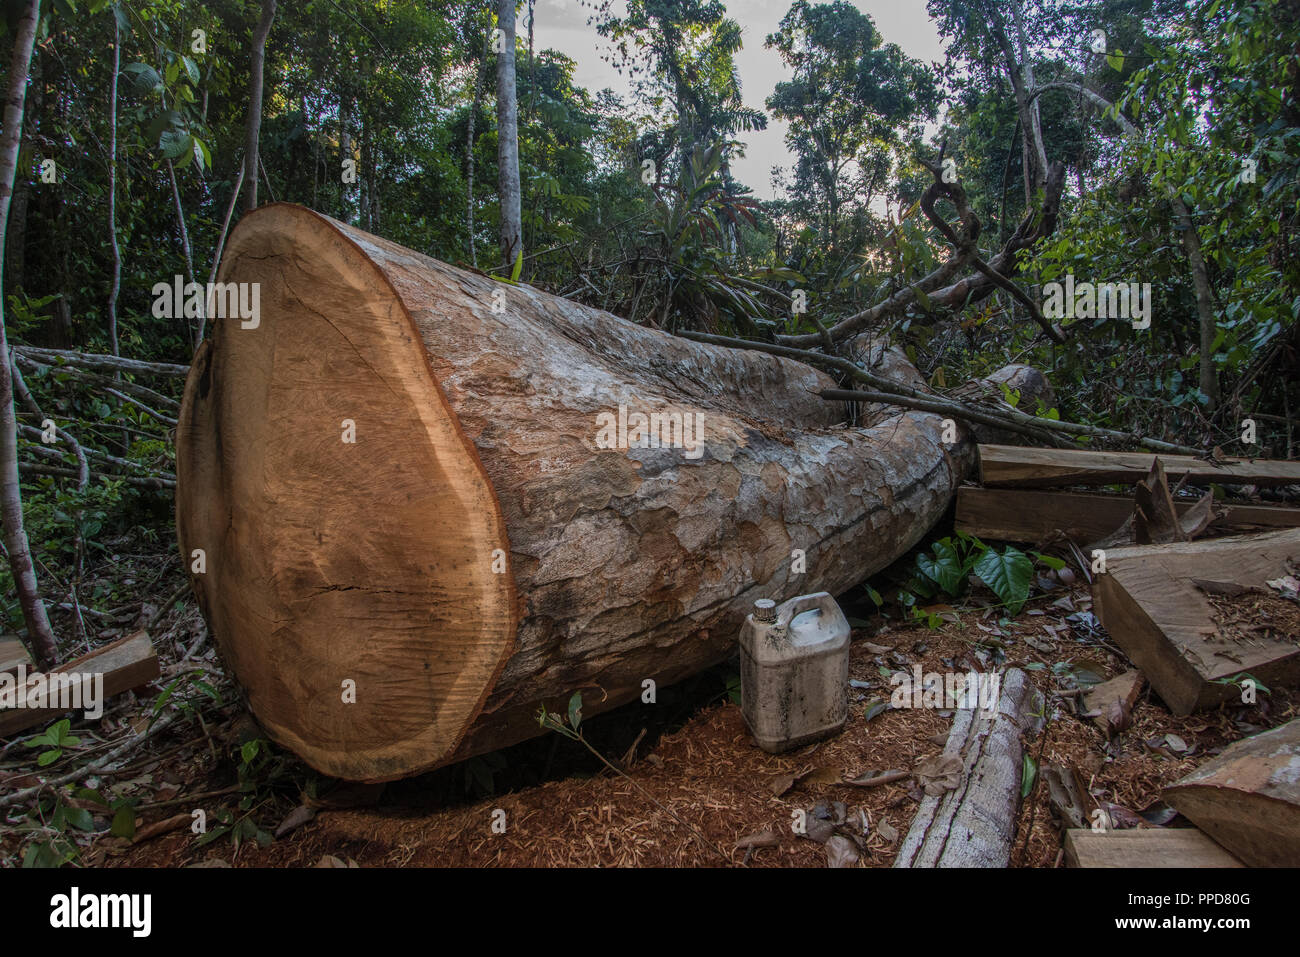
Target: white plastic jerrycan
x=794, y=671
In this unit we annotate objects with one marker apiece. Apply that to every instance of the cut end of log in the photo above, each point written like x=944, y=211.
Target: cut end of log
x=359, y=590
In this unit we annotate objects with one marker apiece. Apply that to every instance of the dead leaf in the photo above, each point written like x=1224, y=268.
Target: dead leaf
x=876, y=649
x=782, y=784
x=329, y=860
x=1175, y=742
x=822, y=775
x=1065, y=795
x=295, y=819
x=165, y=826
x=1036, y=642
x=939, y=773
x=1121, y=817
x=887, y=831
x=840, y=852
x=817, y=830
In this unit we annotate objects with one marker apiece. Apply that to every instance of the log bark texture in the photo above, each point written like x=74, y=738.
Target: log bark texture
x=475, y=553
x=974, y=824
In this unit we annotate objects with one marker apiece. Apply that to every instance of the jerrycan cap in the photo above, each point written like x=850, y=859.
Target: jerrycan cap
x=765, y=610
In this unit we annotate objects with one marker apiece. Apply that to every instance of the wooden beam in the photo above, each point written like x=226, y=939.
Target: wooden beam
x=1033, y=515
x=1021, y=467
x=125, y=664
x=1248, y=798
x=973, y=824
x=1150, y=604
x=12, y=654
x=1144, y=847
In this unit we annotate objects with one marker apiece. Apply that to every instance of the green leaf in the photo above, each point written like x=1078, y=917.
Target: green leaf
x=944, y=569
x=1008, y=575
x=874, y=707
x=124, y=823
x=575, y=710
x=1028, y=772
x=518, y=267
x=80, y=818
x=1051, y=561
x=144, y=76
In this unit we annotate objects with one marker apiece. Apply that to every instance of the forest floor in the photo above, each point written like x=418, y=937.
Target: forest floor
x=694, y=790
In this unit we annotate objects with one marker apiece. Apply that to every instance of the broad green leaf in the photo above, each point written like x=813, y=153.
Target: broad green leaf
x=1008, y=574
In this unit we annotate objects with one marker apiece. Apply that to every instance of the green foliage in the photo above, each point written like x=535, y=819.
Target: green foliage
x=951, y=561
x=56, y=738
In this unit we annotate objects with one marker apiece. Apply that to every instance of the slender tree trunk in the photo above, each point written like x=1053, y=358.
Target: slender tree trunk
x=469, y=158
x=254, y=130
x=1204, y=298
x=508, y=136
x=345, y=150
x=39, y=634
x=116, y=285
x=366, y=175
x=17, y=253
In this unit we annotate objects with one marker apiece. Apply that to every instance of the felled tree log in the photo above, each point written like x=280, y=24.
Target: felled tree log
x=1248, y=797
x=974, y=824
x=474, y=552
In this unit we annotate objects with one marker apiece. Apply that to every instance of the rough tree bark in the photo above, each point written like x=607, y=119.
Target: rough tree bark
x=257, y=59
x=475, y=552
x=39, y=634
x=508, y=137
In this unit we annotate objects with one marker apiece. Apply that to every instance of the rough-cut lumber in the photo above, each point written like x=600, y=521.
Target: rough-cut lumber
x=1144, y=847
x=125, y=664
x=973, y=825
x=1033, y=515
x=475, y=405
x=1248, y=798
x=12, y=654
x=1114, y=700
x=1013, y=465
x=1150, y=604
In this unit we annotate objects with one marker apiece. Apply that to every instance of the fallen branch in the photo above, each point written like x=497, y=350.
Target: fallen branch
x=105, y=363
x=94, y=379
x=31, y=468
x=894, y=392
x=1036, y=224
x=941, y=406
x=24, y=394
x=23, y=796
x=96, y=454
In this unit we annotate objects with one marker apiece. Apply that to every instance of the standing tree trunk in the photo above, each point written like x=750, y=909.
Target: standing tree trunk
x=508, y=136
x=420, y=520
x=1209, y=379
x=116, y=285
x=257, y=60
x=345, y=151
x=39, y=634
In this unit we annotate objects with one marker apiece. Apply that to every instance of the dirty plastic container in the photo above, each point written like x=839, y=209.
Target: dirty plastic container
x=794, y=671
